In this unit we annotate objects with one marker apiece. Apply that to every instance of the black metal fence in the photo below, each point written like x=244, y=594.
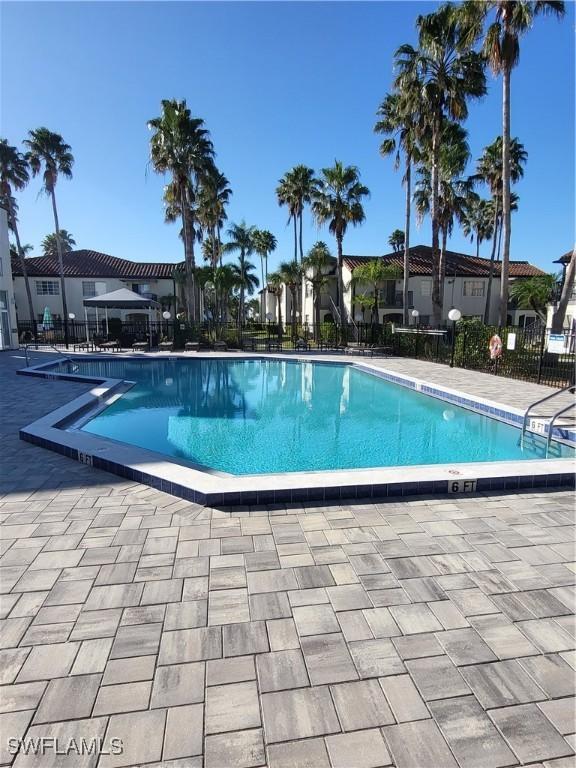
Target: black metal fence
x=524, y=353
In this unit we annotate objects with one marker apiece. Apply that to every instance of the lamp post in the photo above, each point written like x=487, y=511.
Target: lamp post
x=454, y=315
x=167, y=316
x=72, y=317
x=416, y=315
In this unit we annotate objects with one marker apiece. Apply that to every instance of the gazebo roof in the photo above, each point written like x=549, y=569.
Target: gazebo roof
x=121, y=299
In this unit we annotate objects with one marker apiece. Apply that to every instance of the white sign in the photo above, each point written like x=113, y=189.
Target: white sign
x=557, y=343
x=85, y=458
x=461, y=486
x=511, y=341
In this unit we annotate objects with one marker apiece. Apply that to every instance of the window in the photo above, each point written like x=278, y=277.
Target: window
x=47, y=288
x=426, y=288
x=473, y=288
x=88, y=290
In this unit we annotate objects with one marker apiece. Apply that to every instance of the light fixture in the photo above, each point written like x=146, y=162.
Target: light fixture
x=454, y=315
x=71, y=316
x=166, y=315
x=415, y=313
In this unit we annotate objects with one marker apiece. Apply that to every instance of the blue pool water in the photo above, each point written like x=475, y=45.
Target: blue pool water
x=258, y=416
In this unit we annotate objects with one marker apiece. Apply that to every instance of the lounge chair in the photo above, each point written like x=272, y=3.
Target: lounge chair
x=166, y=346
x=220, y=346
x=301, y=344
x=192, y=346
x=274, y=346
x=140, y=346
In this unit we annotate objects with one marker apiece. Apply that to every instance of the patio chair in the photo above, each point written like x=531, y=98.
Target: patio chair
x=301, y=344
x=140, y=346
x=166, y=346
x=274, y=346
x=192, y=346
x=220, y=346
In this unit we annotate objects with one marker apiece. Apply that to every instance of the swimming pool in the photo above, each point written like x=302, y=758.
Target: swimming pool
x=260, y=416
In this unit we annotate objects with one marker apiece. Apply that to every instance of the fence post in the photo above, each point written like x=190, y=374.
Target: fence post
x=541, y=359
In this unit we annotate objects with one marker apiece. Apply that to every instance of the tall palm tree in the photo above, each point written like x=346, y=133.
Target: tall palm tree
x=477, y=220
x=397, y=240
x=375, y=273
x=510, y=19
x=213, y=197
x=450, y=74
x=453, y=192
x=50, y=243
x=489, y=169
x=338, y=202
x=317, y=262
x=181, y=147
x=14, y=176
x=225, y=280
x=402, y=120
x=48, y=152
x=295, y=190
x=291, y=274
x=246, y=280
x=241, y=242
x=286, y=195
x=264, y=245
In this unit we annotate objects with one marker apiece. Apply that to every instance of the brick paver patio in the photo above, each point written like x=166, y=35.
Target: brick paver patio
x=420, y=634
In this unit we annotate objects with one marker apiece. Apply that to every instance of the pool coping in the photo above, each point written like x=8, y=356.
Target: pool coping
x=216, y=488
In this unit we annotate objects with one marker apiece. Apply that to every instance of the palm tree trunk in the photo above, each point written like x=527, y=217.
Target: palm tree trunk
x=22, y=258
x=436, y=298
x=60, y=265
x=506, y=218
x=567, y=288
x=375, y=306
x=340, y=283
x=219, y=245
x=300, y=237
x=295, y=238
x=241, y=302
x=477, y=246
x=188, y=257
x=406, y=281
x=317, y=310
x=442, y=266
x=487, y=308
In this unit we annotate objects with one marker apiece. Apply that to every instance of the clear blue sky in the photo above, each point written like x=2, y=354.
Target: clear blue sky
x=277, y=84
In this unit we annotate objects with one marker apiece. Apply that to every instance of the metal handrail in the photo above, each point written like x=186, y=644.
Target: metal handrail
x=27, y=346
x=569, y=388
x=551, y=424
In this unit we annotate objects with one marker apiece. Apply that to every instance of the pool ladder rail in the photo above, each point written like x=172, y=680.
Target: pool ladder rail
x=51, y=346
x=551, y=420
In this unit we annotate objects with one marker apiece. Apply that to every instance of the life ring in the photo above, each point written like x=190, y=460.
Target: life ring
x=495, y=347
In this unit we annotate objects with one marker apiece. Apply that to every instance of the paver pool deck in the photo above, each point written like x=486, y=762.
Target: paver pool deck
x=429, y=633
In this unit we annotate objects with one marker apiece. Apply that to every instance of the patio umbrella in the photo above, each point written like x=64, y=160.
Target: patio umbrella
x=47, y=319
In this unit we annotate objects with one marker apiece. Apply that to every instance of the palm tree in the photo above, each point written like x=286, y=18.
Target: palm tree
x=14, y=175
x=286, y=196
x=275, y=286
x=291, y=274
x=477, y=220
x=241, y=241
x=264, y=244
x=396, y=240
x=401, y=119
x=181, y=146
x=489, y=169
x=534, y=293
x=50, y=243
x=512, y=19
x=247, y=281
x=213, y=197
x=317, y=261
x=567, y=289
x=338, y=202
x=295, y=189
x=225, y=280
x=49, y=152
x=453, y=192
x=449, y=73
x=376, y=273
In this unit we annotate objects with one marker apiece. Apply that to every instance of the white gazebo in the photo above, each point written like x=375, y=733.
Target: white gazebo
x=120, y=299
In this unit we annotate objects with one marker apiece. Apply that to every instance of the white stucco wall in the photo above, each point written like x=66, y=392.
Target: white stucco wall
x=75, y=297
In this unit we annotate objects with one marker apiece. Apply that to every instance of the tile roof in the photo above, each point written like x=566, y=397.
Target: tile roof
x=84, y=263
x=459, y=264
